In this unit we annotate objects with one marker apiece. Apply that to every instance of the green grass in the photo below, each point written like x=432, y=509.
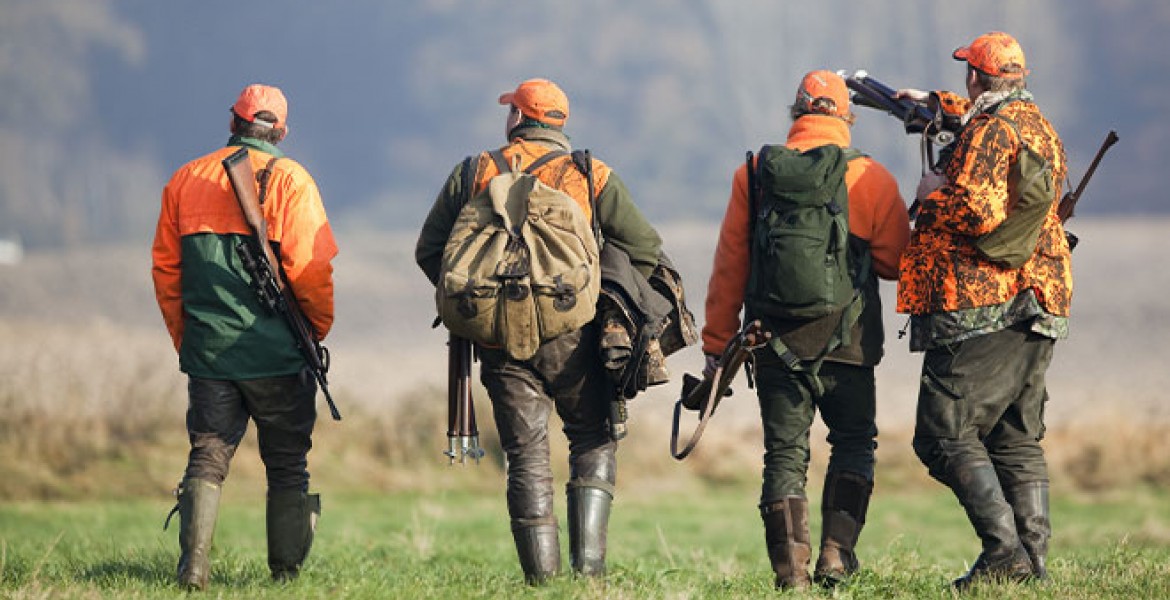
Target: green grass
x=700, y=543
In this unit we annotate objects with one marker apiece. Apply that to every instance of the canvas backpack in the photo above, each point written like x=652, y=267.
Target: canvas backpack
x=521, y=264
x=1031, y=192
x=802, y=265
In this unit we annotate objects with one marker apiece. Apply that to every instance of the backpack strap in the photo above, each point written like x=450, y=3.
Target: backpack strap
x=583, y=160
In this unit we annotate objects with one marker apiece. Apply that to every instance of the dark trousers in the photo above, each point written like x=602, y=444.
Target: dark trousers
x=982, y=400
x=284, y=410
x=565, y=374
x=787, y=408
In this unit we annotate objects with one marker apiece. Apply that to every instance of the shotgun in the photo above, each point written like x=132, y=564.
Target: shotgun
x=267, y=279
x=1068, y=203
x=462, y=430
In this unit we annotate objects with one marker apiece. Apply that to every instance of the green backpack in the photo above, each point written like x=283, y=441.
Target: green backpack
x=521, y=264
x=800, y=233
x=802, y=265
x=1031, y=192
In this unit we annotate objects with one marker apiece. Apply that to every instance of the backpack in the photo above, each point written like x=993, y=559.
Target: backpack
x=521, y=264
x=802, y=265
x=1031, y=192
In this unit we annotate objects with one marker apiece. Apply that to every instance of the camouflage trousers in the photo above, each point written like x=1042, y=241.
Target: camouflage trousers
x=284, y=410
x=565, y=375
x=787, y=408
x=982, y=400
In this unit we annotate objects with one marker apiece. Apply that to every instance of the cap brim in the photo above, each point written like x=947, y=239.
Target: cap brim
x=962, y=53
x=506, y=98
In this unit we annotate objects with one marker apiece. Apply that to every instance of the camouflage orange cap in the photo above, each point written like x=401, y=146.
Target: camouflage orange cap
x=539, y=99
x=823, y=84
x=992, y=52
x=258, y=97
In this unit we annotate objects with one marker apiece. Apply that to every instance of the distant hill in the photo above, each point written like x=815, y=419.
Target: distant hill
x=101, y=100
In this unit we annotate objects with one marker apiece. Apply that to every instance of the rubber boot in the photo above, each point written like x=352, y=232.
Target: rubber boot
x=844, y=503
x=786, y=536
x=588, y=508
x=1029, y=502
x=1003, y=557
x=198, y=511
x=539, y=549
x=291, y=521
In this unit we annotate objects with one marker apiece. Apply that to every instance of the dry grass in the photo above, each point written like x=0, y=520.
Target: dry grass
x=97, y=410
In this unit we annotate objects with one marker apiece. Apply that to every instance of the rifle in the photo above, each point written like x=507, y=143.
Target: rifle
x=704, y=395
x=267, y=280
x=1068, y=203
x=462, y=430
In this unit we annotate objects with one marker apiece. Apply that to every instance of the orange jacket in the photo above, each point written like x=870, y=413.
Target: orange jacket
x=877, y=214
x=198, y=199
x=941, y=269
x=559, y=173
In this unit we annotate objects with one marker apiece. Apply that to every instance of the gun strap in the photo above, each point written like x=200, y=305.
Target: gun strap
x=263, y=176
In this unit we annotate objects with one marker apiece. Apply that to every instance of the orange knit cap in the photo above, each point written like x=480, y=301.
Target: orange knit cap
x=258, y=97
x=823, y=84
x=992, y=52
x=539, y=99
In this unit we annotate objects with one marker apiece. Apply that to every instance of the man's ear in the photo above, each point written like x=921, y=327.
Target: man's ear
x=283, y=132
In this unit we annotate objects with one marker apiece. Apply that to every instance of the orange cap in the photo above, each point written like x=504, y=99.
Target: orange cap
x=539, y=99
x=258, y=97
x=823, y=84
x=993, y=51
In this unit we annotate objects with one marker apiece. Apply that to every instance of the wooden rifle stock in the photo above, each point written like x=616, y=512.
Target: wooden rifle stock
x=261, y=263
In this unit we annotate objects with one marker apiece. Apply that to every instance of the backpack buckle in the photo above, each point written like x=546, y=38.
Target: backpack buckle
x=565, y=295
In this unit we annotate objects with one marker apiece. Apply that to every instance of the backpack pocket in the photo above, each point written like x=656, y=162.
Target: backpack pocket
x=467, y=306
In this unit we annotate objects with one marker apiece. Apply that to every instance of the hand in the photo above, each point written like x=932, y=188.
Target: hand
x=710, y=363
x=912, y=94
x=930, y=182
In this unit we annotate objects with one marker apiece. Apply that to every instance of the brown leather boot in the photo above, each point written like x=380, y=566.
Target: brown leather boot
x=1003, y=557
x=1030, y=504
x=787, y=539
x=198, y=511
x=843, y=507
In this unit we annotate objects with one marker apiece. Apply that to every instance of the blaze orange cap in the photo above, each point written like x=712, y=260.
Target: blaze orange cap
x=823, y=84
x=539, y=99
x=258, y=97
x=993, y=51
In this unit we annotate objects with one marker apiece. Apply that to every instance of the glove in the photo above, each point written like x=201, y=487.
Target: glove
x=710, y=363
x=913, y=95
x=930, y=182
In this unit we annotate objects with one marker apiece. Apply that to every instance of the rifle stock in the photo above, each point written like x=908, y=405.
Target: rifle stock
x=261, y=263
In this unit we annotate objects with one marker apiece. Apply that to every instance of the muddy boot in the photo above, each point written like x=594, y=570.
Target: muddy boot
x=198, y=509
x=539, y=550
x=1029, y=502
x=588, y=506
x=1003, y=557
x=291, y=521
x=843, y=507
x=787, y=539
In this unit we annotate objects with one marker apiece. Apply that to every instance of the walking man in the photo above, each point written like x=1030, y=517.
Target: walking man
x=987, y=328
x=813, y=363
x=240, y=359
x=565, y=372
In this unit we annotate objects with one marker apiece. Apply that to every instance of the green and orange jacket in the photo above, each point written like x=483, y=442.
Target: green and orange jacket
x=621, y=222
x=941, y=271
x=218, y=326
x=877, y=214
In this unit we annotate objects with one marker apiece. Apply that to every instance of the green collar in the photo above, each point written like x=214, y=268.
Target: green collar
x=260, y=145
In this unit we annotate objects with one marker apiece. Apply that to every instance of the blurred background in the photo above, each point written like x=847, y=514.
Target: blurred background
x=101, y=100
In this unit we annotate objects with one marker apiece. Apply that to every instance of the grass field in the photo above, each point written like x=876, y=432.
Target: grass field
x=703, y=543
